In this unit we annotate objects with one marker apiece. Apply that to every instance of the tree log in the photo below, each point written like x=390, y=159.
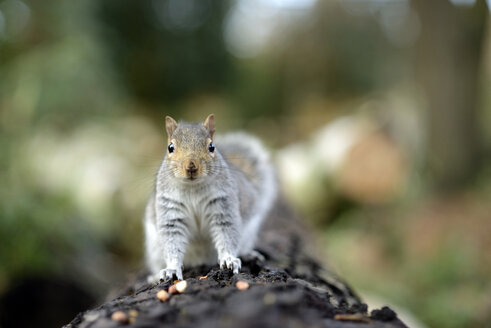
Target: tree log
x=288, y=288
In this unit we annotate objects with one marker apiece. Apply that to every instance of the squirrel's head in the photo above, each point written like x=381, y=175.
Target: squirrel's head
x=190, y=151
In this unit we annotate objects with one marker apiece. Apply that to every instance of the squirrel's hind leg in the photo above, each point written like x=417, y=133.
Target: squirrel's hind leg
x=255, y=255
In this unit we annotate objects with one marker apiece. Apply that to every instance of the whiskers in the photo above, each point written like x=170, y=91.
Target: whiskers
x=242, y=164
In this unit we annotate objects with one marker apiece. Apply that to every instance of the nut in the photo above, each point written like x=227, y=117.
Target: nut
x=181, y=286
x=119, y=316
x=242, y=285
x=172, y=289
x=163, y=295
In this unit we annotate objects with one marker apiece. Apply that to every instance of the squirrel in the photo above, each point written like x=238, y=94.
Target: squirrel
x=209, y=200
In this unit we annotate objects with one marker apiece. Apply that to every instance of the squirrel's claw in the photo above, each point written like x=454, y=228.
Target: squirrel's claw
x=170, y=274
x=231, y=263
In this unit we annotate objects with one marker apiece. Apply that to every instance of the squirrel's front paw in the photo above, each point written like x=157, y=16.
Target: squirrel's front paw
x=169, y=273
x=230, y=262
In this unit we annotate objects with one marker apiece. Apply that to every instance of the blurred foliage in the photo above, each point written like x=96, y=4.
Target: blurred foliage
x=171, y=50
x=334, y=86
x=424, y=256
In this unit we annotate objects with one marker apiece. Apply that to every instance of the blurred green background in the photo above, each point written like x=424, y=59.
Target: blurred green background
x=378, y=113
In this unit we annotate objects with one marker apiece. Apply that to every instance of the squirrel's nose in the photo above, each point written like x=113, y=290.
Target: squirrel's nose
x=191, y=167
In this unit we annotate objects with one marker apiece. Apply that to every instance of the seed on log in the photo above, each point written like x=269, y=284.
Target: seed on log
x=352, y=317
x=119, y=316
x=172, y=289
x=241, y=285
x=181, y=286
x=163, y=295
x=133, y=314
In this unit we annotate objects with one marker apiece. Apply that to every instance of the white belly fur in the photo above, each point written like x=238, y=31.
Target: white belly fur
x=200, y=249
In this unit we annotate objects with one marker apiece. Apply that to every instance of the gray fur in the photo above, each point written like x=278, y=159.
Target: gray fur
x=215, y=217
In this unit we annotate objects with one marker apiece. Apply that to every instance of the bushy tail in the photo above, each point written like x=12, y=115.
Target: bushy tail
x=249, y=155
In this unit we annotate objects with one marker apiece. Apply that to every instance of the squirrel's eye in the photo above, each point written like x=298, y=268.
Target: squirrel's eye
x=211, y=147
x=171, y=148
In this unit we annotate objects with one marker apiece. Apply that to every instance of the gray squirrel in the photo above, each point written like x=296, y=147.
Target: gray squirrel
x=209, y=202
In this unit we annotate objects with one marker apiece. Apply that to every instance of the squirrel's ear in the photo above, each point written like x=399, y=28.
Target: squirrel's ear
x=209, y=123
x=170, y=125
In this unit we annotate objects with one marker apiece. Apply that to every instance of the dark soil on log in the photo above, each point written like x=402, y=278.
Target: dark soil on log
x=287, y=289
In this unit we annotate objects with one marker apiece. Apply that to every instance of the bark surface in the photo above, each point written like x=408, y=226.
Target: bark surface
x=289, y=288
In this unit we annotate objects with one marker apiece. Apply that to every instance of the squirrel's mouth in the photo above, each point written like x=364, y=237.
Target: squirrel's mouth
x=192, y=176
